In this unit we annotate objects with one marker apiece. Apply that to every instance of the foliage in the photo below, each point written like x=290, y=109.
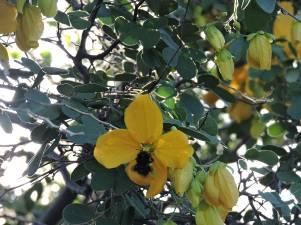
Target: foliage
x=235, y=93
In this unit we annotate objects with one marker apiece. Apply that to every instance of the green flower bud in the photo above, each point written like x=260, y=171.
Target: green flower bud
x=194, y=193
x=181, y=178
x=208, y=215
x=48, y=7
x=296, y=32
x=259, y=55
x=215, y=37
x=225, y=64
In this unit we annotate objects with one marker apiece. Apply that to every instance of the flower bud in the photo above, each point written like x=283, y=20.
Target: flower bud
x=169, y=222
x=29, y=28
x=225, y=64
x=259, y=55
x=240, y=111
x=181, y=178
x=194, y=193
x=48, y=7
x=220, y=188
x=20, y=5
x=296, y=33
x=8, y=17
x=215, y=37
x=4, y=60
x=207, y=215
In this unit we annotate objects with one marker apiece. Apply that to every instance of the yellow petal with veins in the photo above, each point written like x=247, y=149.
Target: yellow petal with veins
x=173, y=149
x=143, y=119
x=115, y=148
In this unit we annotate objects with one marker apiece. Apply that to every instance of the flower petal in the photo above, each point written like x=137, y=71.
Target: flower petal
x=173, y=149
x=115, y=148
x=159, y=177
x=143, y=119
x=136, y=177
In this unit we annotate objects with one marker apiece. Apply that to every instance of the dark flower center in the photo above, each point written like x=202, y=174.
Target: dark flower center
x=143, y=163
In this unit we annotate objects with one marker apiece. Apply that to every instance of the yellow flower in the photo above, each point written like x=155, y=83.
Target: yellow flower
x=8, y=17
x=220, y=188
x=259, y=55
x=142, y=145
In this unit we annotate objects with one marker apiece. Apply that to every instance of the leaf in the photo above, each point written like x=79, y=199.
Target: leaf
x=90, y=88
x=186, y=67
x=103, y=180
x=192, y=105
x=77, y=214
x=65, y=89
x=295, y=189
x=5, y=122
x=288, y=176
x=267, y=5
x=223, y=94
x=275, y=130
x=277, y=202
x=264, y=156
x=278, y=150
x=37, y=97
x=78, y=23
x=138, y=205
x=62, y=17
x=106, y=221
x=35, y=162
x=31, y=65
x=295, y=109
x=79, y=173
x=199, y=134
x=171, y=56
x=208, y=81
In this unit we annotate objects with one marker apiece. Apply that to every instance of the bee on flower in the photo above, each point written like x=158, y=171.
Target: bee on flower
x=146, y=152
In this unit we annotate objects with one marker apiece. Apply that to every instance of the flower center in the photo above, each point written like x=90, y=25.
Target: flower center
x=143, y=163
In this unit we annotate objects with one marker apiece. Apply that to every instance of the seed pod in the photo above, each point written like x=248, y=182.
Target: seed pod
x=215, y=37
x=8, y=17
x=29, y=28
x=208, y=215
x=181, y=178
x=225, y=64
x=48, y=7
x=259, y=55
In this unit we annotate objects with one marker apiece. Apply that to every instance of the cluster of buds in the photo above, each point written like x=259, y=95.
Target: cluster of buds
x=26, y=21
x=212, y=194
x=223, y=58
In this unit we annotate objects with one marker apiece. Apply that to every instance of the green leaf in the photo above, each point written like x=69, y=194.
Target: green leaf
x=32, y=65
x=62, y=17
x=138, y=205
x=106, y=221
x=295, y=189
x=90, y=88
x=77, y=214
x=278, y=150
x=79, y=173
x=267, y=5
x=277, y=202
x=35, y=161
x=5, y=122
x=126, y=77
x=186, y=67
x=103, y=180
x=288, y=176
x=199, y=134
x=171, y=56
x=264, y=156
x=148, y=37
x=243, y=164
x=223, y=94
x=65, y=89
x=165, y=91
x=192, y=105
x=37, y=97
x=209, y=125
x=208, y=81
x=79, y=23
x=295, y=109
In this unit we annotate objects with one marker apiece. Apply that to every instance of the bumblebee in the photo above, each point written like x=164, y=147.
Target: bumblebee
x=143, y=163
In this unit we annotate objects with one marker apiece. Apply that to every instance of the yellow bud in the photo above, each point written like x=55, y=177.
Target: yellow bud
x=223, y=212
x=48, y=7
x=296, y=33
x=208, y=215
x=181, y=178
x=259, y=55
x=240, y=111
x=194, y=193
x=8, y=17
x=29, y=28
x=215, y=37
x=220, y=188
x=20, y=5
x=4, y=59
x=225, y=64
